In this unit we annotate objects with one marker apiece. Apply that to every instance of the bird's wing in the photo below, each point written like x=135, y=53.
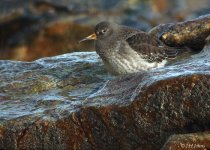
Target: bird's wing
x=142, y=37
x=151, y=48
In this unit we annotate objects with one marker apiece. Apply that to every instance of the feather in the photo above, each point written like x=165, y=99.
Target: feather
x=151, y=48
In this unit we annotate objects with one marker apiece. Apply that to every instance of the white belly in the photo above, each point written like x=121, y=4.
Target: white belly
x=123, y=64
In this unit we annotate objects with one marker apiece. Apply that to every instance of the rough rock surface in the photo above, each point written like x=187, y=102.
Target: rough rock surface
x=188, y=141
x=45, y=92
x=191, y=33
x=52, y=103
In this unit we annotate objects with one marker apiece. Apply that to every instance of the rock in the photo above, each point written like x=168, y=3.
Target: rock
x=24, y=25
x=62, y=76
x=25, y=38
x=189, y=33
x=150, y=107
x=44, y=91
x=54, y=28
x=62, y=103
x=188, y=141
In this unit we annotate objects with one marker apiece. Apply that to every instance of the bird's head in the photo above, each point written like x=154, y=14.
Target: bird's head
x=103, y=30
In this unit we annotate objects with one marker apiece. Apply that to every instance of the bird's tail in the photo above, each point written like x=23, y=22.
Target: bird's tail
x=174, y=52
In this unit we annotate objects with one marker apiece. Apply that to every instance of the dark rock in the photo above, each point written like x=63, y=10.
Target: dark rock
x=25, y=38
x=189, y=33
x=12, y=30
x=52, y=103
x=63, y=102
x=60, y=6
x=188, y=141
x=23, y=24
x=47, y=7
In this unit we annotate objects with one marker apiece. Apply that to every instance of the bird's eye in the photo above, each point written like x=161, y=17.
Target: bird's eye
x=103, y=31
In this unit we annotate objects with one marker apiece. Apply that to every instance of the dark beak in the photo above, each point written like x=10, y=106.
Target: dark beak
x=90, y=37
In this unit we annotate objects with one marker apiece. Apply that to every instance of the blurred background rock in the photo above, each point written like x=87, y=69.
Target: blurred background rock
x=31, y=29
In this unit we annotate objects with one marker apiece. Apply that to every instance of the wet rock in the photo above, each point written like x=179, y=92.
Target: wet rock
x=189, y=33
x=44, y=91
x=63, y=103
x=20, y=81
x=188, y=141
x=163, y=102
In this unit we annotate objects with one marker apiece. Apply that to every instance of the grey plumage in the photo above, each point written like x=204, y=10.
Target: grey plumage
x=128, y=50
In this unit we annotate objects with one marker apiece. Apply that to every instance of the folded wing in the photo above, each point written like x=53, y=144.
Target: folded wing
x=151, y=48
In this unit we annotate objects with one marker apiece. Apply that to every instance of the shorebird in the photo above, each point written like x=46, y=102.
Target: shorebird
x=127, y=50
